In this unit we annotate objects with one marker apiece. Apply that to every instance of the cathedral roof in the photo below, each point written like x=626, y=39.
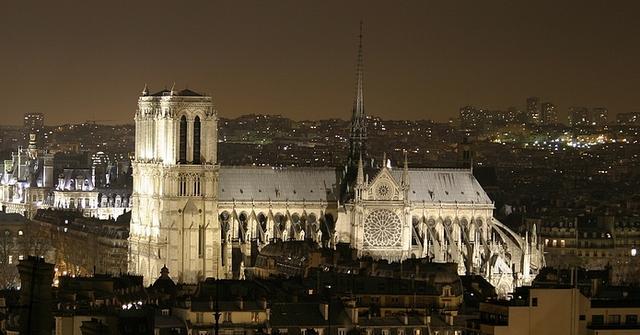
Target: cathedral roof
x=443, y=185
x=278, y=184
x=188, y=93
x=161, y=93
x=322, y=184
x=183, y=93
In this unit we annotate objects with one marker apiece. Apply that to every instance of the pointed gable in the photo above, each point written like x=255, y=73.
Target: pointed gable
x=384, y=186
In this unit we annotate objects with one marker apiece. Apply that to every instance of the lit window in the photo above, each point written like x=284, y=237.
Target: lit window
x=562, y=243
x=555, y=243
x=20, y=233
x=10, y=259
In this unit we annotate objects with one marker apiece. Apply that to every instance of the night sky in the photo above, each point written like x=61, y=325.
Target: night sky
x=89, y=60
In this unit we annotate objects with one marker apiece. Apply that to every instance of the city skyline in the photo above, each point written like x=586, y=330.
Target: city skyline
x=84, y=61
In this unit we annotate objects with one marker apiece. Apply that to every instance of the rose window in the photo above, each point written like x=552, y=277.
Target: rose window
x=383, y=191
x=382, y=228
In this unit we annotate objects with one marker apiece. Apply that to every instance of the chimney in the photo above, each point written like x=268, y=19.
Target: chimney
x=324, y=309
x=449, y=319
x=595, y=286
x=240, y=303
x=352, y=311
x=263, y=303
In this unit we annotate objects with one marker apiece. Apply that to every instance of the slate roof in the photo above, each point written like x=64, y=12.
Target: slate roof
x=188, y=93
x=6, y=218
x=306, y=314
x=322, y=184
x=161, y=93
x=183, y=93
x=278, y=184
x=443, y=185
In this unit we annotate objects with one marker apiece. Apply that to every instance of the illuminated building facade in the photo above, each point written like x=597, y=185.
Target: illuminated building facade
x=202, y=220
x=26, y=179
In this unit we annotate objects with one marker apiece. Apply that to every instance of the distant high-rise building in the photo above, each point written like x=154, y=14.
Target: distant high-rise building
x=533, y=110
x=33, y=124
x=34, y=120
x=628, y=119
x=600, y=116
x=515, y=115
x=469, y=117
x=549, y=113
x=579, y=116
x=582, y=116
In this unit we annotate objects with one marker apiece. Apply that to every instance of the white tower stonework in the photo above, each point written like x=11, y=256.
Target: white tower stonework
x=175, y=173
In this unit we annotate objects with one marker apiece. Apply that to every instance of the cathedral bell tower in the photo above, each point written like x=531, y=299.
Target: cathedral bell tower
x=175, y=175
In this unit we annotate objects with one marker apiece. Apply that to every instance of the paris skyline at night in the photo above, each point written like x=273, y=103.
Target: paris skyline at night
x=319, y=168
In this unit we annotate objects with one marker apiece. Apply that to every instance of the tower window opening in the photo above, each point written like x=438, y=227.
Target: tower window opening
x=196, y=141
x=182, y=186
x=196, y=186
x=183, y=140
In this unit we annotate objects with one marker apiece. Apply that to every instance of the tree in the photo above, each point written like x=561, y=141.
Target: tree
x=35, y=241
x=8, y=272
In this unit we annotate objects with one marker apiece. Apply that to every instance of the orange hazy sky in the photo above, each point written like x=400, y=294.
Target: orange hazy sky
x=89, y=60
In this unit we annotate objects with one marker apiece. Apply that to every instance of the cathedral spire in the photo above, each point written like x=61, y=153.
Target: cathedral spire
x=145, y=90
x=360, y=176
x=358, y=135
x=405, y=170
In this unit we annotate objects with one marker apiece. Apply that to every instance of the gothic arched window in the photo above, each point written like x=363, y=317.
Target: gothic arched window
x=183, y=140
x=196, y=141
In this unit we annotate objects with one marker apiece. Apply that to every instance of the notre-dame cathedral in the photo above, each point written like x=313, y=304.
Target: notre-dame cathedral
x=201, y=219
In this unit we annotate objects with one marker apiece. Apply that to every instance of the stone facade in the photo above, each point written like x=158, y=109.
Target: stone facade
x=203, y=220
x=175, y=172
